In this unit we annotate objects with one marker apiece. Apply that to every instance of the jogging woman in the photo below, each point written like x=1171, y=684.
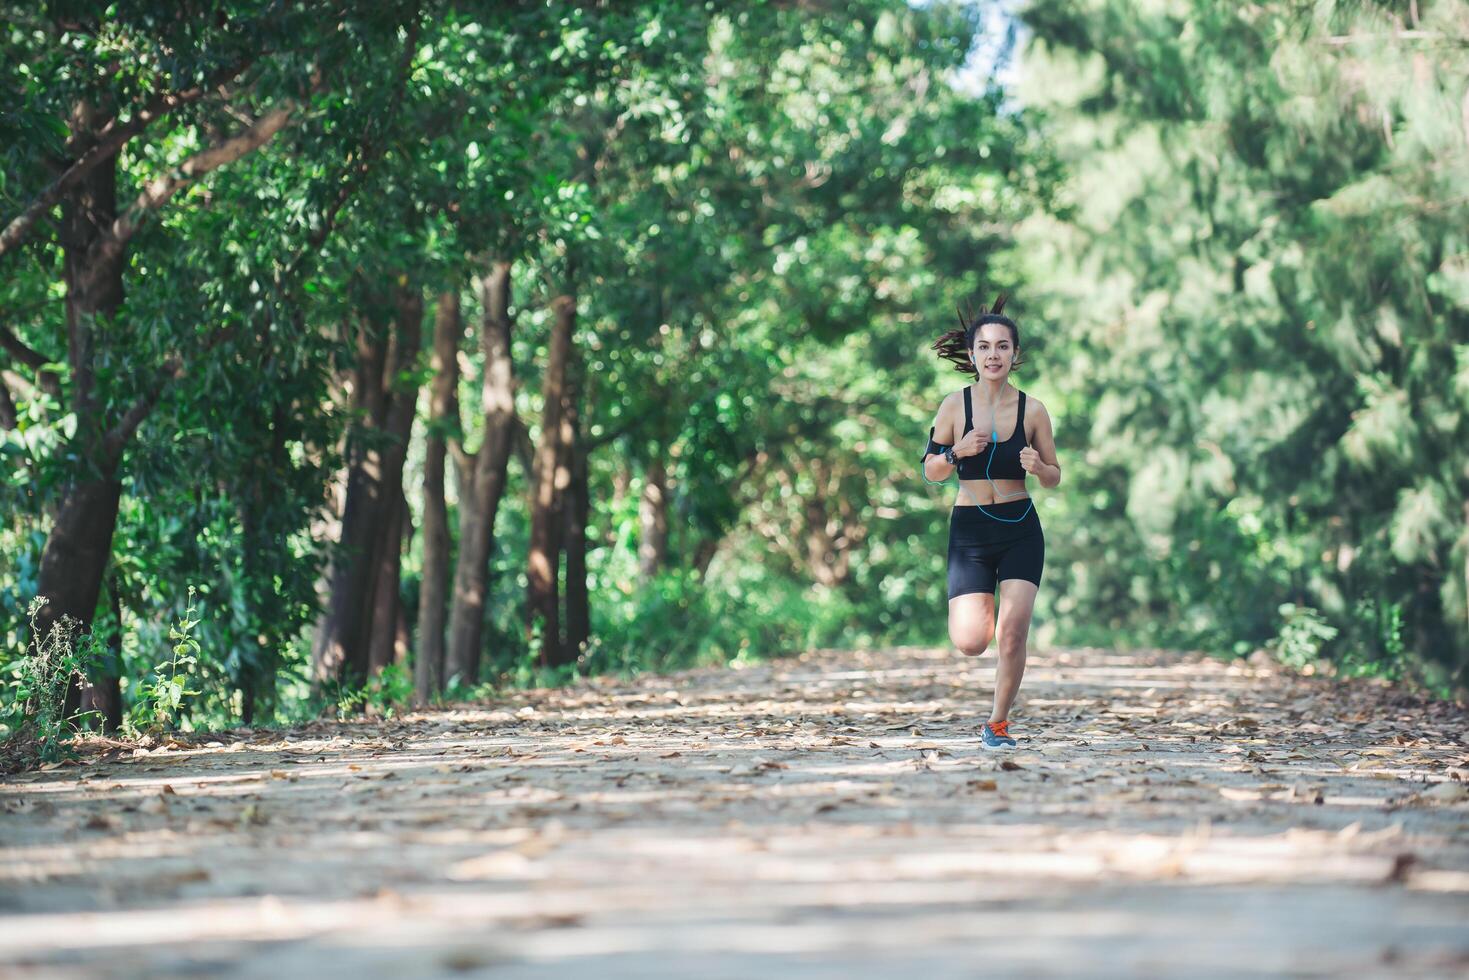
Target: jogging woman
x=995, y=535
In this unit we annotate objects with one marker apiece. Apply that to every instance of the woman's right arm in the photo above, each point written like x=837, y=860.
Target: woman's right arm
x=935, y=467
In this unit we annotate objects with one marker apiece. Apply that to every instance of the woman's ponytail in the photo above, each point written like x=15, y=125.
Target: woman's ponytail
x=952, y=347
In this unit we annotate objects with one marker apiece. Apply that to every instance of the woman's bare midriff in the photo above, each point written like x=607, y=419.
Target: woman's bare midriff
x=980, y=492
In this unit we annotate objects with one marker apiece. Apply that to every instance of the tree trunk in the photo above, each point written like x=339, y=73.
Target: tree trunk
x=386, y=601
x=77, y=551
x=482, y=480
x=433, y=597
x=575, y=512
x=545, y=545
x=820, y=558
x=402, y=633
x=263, y=551
x=340, y=650
x=653, y=520
x=403, y=407
x=100, y=692
x=369, y=551
x=75, y=558
x=95, y=242
x=831, y=539
x=104, y=694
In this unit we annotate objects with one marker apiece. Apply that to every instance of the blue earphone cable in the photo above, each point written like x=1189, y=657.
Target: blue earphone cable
x=994, y=436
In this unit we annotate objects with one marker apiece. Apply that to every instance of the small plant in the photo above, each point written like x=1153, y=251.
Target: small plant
x=381, y=696
x=161, y=695
x=1303, y=635
x=43, y=678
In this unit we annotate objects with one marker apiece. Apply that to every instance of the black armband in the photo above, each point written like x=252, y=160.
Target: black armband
x=934, y=448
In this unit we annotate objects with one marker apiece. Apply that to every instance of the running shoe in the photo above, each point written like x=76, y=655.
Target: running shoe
x=996, y=736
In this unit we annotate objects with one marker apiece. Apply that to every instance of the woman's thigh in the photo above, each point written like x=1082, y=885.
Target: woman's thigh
x=972, y=621
x=1017, y=603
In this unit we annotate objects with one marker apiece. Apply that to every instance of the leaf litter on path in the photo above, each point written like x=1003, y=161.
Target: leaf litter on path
x=611, y=805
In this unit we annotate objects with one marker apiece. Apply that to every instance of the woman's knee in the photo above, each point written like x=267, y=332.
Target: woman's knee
x=1011, y=643
x=972, y=643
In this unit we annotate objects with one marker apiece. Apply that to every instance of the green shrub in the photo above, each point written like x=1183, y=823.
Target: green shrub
x=1303, y=636
x=33, y=703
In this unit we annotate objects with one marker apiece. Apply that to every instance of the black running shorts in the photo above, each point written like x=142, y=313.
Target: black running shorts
x=991, y=546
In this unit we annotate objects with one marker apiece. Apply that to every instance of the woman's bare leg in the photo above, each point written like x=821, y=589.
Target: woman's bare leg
x=1017, y=602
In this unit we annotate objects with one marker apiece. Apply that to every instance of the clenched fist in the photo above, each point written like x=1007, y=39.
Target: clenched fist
x=972, y=443
x=1030, y=460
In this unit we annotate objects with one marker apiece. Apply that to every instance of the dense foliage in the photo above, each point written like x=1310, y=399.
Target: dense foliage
x=676, y=268
x=1260, y=290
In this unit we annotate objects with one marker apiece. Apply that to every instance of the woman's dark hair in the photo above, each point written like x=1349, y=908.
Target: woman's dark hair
x=956, y=344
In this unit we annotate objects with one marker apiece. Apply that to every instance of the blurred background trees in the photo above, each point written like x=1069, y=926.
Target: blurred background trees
x=1260, y=284
x=440, y=347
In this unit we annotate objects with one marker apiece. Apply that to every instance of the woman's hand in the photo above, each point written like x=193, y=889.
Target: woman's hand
x=1030, y=460
x=972, y=443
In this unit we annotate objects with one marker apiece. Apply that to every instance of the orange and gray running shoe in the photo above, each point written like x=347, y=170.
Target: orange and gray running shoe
x=996, y=735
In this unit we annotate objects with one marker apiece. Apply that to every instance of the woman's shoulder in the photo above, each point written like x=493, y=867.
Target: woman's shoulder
x=1035, y=413
x=954, y=401
x=951, y=411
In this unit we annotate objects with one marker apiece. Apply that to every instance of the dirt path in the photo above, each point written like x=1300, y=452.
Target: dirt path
x=828, y=816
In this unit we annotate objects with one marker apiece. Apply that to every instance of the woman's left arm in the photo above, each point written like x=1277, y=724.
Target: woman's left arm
x=1040, y=456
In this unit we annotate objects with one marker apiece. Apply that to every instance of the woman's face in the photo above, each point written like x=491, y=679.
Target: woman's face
x=993, y=351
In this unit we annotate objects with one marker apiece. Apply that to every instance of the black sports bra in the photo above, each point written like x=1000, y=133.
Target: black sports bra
x=1006, y=462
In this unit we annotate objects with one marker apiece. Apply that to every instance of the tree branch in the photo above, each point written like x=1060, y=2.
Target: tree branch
x=369, y=152
x=117, y=437
x=47, y=381
x=157, y=192
x=632, y=424
x=29, y=357
x=111, y=138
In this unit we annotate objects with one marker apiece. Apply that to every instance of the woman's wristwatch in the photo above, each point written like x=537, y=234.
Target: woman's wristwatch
x=949, y=456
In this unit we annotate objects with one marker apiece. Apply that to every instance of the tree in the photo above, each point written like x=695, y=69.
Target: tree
x=1281, y=262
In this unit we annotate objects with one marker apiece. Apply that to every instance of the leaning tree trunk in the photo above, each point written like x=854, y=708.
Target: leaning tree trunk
x=433, y=596
x=482, y=480
x=545, y=545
